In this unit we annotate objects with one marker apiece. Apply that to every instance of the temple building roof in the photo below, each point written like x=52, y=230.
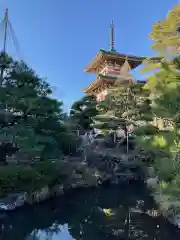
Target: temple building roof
x=111, y=66
x=103, y=79
x=98, y=82
x=120, y=58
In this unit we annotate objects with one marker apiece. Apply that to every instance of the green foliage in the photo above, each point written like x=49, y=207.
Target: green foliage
x=82, y=112
x=165, y=33
x=164, y=87
x=69, y=142
x=126, y=103
x=147, y=129
x=27, y=178
x=33, y=120
x=165, y=168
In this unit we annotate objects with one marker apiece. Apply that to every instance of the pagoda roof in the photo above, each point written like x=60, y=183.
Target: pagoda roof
x=105, y=79
x=98, y=81
x=103, y=55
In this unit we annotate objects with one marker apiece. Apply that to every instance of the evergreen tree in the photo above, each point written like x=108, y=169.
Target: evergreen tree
x=126, y=103
x=82, y=111
x=164, y=87
x=29, y=118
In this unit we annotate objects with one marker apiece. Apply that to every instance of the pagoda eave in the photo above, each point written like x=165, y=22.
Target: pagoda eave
x=92, y=67
x=118, y=57
x=94, y=85
x=99, y=82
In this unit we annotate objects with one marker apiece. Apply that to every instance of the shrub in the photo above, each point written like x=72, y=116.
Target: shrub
x=146, y=130
x=53, y=173
x=18, y=178
x=29, y=178
x=164, y=168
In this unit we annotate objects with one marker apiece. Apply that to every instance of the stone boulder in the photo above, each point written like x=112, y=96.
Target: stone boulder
x=152, y=182
x=12, y=201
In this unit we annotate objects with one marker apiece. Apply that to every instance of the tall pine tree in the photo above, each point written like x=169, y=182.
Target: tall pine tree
x=126, y=103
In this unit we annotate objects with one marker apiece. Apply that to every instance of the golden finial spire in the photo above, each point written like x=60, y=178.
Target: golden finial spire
x=112, y=37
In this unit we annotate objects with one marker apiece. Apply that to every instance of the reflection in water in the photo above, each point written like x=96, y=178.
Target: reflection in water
x=54, y=232
x=114, y=212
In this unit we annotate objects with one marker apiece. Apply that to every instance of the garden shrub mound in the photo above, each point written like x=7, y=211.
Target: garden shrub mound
x=147, y=129
x=29, y=178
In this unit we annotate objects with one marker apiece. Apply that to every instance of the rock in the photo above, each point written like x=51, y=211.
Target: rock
x=21, y=198
x=151, y=172
x=39, y=195
x=58, y=190
x=6, y=205
x=12, y=201
x=140, y=203
x=152, y=182
x=176, y=220
x=153, y=213
x=124, y=158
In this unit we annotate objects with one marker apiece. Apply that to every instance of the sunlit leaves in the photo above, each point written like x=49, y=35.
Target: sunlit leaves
x=159, y=141
x=165, y=33
x=164, y=87
x=149, y=66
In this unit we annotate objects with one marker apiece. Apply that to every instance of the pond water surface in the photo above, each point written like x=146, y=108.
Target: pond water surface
x=89, y=214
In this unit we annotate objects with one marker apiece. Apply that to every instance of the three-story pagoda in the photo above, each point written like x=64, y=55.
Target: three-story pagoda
x=110, y=66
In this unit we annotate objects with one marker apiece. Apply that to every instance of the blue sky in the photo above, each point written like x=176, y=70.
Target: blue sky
x=58, y=38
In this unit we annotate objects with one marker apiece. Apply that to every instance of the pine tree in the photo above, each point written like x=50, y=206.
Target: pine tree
x=30, y=118
x=82, y=111
x=126, y=103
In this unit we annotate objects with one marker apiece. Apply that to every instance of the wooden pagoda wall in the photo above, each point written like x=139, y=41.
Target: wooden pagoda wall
x=111, y=69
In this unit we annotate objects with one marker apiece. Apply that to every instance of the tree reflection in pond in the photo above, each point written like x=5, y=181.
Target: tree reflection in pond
x=104, y=213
